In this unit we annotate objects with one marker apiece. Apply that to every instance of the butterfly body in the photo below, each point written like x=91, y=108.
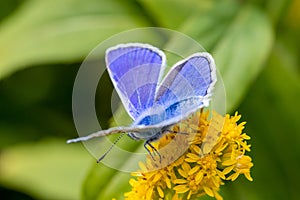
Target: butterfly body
x=159, y=113
x=148, y=135
x=136, y=70
x=152, y=116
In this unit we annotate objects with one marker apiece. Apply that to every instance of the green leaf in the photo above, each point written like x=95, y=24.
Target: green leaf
x=49, y=169
x=208, y=27
x=176, y=13
x=241, y=53
x=104, y=182
x=60, y=31
x=116, y=182
x=276, y=10
x=272, y=114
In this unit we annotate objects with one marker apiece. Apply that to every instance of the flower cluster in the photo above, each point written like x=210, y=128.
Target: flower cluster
x=197, y=156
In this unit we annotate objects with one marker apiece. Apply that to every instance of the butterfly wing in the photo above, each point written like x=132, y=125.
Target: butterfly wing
x=187, y=87
x=135, y=70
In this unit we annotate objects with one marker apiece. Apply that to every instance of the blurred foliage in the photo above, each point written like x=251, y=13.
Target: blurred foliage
x=42, y=43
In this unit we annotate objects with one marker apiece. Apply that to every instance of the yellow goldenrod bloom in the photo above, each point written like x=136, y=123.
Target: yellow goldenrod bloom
x=197, y=157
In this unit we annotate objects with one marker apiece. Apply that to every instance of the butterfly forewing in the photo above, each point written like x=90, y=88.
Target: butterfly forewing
x=135, y=70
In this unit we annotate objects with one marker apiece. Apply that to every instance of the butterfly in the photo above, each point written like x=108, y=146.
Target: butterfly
x=136, y=70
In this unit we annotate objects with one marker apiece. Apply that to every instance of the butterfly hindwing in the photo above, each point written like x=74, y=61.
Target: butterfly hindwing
x=187, y=87
x=135, y=70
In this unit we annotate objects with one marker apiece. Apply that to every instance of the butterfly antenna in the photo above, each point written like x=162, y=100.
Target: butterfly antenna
x=110, y=148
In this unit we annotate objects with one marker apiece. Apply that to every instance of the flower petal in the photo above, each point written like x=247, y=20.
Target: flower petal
x=194, y=170
x=181, y=189
x=199, y=177
x=208, y=191
x=160, y=192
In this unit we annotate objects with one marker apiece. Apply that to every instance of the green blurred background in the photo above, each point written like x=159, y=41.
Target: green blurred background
x=256, y=45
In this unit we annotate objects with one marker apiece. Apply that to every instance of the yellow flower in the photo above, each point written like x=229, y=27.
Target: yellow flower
x=197, y=158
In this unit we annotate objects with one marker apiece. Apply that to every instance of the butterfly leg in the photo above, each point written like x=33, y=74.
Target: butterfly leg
x=148, y=144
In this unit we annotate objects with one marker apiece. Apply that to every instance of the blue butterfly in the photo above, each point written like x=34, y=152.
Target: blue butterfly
x=136, y=71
